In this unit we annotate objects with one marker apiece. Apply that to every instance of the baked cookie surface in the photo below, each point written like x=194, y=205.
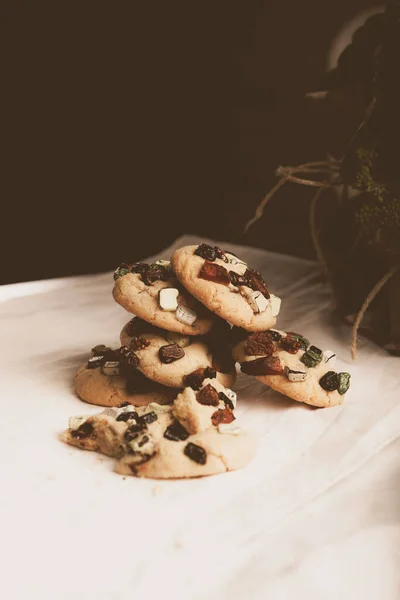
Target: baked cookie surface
x=226, y=286
x=169, y=358
x=152, y=442
x=153, y=293
x=288, y=364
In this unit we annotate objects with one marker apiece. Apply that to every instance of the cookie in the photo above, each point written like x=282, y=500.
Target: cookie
x=226, y=286
x=288, y=364
x=153, y=293
x=169, y=358
x=109, y=383
x=151, y=442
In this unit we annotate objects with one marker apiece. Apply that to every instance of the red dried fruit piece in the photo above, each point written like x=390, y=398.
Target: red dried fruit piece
x=139, y=343
x=291, y=344
x=260, y=343
x=270, y=365
x=196, y=378
x=222, y=416
x=214, y=272
x=208, y=396
x=256, y=282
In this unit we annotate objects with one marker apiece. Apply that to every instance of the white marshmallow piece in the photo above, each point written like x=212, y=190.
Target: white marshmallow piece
x=229, y=428
x=241, y=266
x=296, y=375
x=168, y=299
x=186, y=315
x=275, y=305
x=231, y=395
x=178, y=338
x=76, y=422
x=258, y=302
x=329, y=357
x=111, y=367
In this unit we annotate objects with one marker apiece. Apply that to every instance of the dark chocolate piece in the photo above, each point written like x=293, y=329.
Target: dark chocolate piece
x=147, y=418
x=133, y=431
x=83, y=431
x=237, y=279
x=196, y=453
x=215, y=273
x=170, y=353
x=220, y=254
x=208, y=396
x=127, y=416
x=207, y=252
x=128, y=356
x=256, y=282
x=176, y=432
x=120, y=271
x=269, y=365
x=139, y=267
x=312, y=357
x=329, y=382
x=224, y=398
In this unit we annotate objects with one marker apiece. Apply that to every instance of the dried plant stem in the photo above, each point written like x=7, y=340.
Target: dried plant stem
x=260, y=208
x=314, y=231
x=320, y=184
x=373, y=293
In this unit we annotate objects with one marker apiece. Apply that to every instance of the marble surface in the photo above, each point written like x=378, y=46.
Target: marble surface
x=316, y=515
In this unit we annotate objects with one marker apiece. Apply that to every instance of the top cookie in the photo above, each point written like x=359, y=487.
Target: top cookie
x=227, y=286
x=153, y=293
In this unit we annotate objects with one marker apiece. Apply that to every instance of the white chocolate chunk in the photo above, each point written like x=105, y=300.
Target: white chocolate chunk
x=241, y=266
x=185, y=315
x=275, y=305
x=178, y=338
x=159, y=408
x=76, y=422
x=329, y=357
x=110, y=412
x=163, y=263
x=111, y=367
x=296, y=375
x=230, y=428
x=144, y=444
x=168, y=299
x=258, y=302
x=231, y=395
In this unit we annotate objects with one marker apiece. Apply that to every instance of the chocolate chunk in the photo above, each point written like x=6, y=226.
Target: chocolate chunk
x=303, y=340
x=196, y=453
x=237, y=279
x=128, y=356
x=343, y=382
x=291, y=344
x=147, y=418
x=270, y=365
x=133, y=431
x=120, y=271
x=222, y=416
x=208, y=396
x=137, y=326
x=256, y=282
x=260, y=343
x=127, y=416
x=139, y=267
x=207, y=252
x=170, y=353
x=196, y=378
x=329, y=382
x=139, y=343
x=214, y=272
x=95, y=361
x=100, y=350
x=83, y=431
x=176, y=432
x=224, y=398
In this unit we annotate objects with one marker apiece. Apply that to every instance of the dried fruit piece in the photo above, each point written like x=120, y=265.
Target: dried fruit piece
x=276, y=336
x=256, y=282
x=220, y=254
x=291, y=344
x=222, y=416
x=214, y=272
x=196, y=378
x=343, y=382
x=139, y=343
x=170, y=353
x=329, y=382
x=260, y=343
x=154, y=273
x=208, y=396
x=207, y=252
x=176, y=432
x=195, y=453
x=139, y=267
x=303, y=340
x=128, y=356
x=312, y=357
x=268, y=365
x=83, y=431
x=236, y=279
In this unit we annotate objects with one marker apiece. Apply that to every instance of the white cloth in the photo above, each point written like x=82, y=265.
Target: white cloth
x=316, y=515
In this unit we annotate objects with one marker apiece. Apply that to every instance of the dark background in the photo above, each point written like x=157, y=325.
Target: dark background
x=126, y=124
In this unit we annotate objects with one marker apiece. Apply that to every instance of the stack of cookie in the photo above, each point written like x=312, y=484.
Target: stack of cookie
x=194, y=317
